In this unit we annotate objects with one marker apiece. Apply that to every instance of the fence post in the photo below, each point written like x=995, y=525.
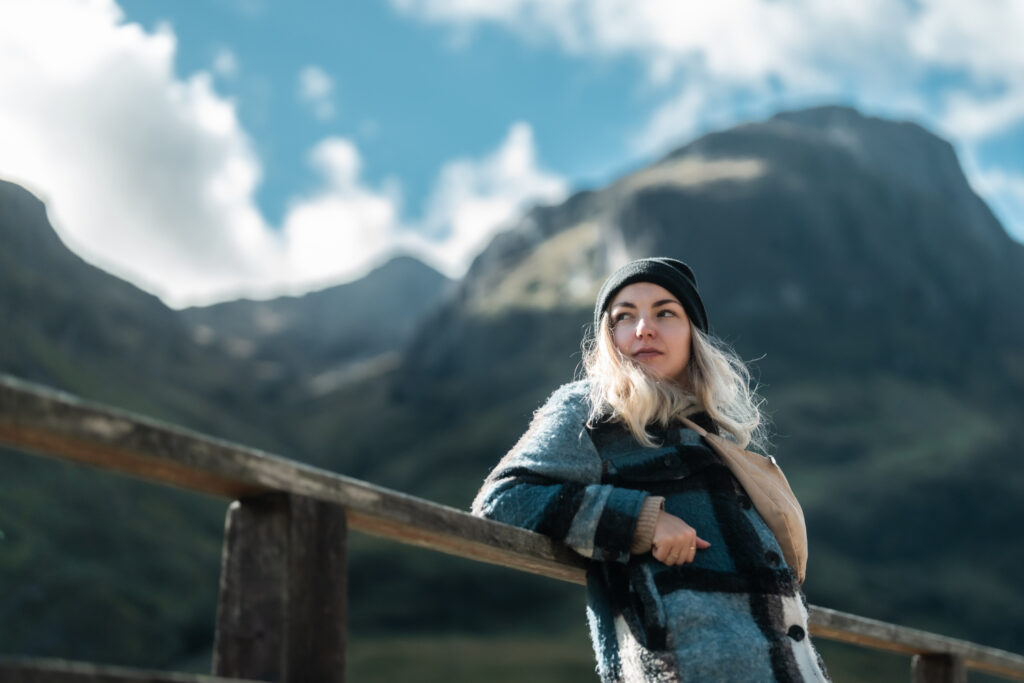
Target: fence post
x=281, y=614
x=937, y=668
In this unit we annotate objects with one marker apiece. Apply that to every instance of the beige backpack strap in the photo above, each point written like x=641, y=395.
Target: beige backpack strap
x=768, y=489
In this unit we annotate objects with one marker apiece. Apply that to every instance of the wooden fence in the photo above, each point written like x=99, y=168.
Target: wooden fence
x=281, y=613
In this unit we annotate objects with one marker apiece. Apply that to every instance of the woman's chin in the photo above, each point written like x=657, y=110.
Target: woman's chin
x=654, y=372
x=660, y=374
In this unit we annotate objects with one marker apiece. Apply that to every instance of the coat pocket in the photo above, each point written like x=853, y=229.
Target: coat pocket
x=631, y=593
x=648, y=621
x=655, y=465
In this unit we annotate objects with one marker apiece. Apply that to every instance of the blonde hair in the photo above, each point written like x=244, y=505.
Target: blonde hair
x=717, y=382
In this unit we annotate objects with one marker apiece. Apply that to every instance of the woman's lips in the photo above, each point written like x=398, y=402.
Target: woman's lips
x=644, y=354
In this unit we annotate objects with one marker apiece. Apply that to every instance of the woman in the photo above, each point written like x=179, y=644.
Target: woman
x=688, y=581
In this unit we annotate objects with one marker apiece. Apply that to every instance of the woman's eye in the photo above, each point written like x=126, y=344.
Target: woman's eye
x=619, y=317
x=665, y=313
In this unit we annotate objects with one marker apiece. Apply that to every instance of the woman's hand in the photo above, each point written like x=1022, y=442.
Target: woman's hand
x=675, y=541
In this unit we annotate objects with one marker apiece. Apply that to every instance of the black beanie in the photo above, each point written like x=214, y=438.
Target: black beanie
x=672, y=274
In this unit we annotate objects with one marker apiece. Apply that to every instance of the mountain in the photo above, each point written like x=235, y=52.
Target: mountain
x=320, y=339
x=77, y=545
x=820, y=216
x=103, y=568
x=816, y=248
x=72, y=326
x=877, y=295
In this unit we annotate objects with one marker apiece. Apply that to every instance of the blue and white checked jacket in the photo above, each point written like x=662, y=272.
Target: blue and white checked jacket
x=735, y=614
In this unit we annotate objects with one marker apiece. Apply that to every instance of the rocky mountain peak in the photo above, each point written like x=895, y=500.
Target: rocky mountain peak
x=805, y=221
x=25, y=229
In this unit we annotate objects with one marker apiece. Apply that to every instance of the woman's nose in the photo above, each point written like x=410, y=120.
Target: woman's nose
x=644, y=328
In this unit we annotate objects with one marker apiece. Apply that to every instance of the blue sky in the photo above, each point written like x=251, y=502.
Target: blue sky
x=205, y=150
x=411, y=95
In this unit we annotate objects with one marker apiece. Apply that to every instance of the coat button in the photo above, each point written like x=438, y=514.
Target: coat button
x=772, y=558
x=796, y=633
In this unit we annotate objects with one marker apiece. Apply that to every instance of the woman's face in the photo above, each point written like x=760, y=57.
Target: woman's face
x=650, y=326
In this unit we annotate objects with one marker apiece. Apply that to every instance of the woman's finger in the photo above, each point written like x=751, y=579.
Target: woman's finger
x=661, y=552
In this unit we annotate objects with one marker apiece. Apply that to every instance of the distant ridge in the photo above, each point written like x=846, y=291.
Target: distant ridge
x=57, y=307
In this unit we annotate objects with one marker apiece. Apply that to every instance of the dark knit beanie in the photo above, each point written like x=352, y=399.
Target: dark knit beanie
x=673, y=275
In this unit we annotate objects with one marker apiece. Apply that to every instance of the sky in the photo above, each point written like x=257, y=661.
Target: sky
x=207, y=150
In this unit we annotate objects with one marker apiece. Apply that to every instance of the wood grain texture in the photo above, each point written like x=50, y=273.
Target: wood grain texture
x=881, y=635
x=58, y=425
x=252, y=603
x=317, y=589
x=26, y=670
x=281, y=613
x=937, y=669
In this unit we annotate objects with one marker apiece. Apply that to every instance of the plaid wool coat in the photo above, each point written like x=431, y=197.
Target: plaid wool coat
x=734, y=614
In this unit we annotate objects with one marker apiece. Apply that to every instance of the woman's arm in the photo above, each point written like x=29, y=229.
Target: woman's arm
x=550, y=483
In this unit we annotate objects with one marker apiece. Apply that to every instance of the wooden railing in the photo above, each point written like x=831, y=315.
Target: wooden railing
x=281, y=613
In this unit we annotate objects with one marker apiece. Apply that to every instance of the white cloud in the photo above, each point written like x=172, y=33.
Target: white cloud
x=982, y=37
x=369, y=129
x=316, y=89
x=147, y=175
x=983, y=41
x=225, y=63
x=782, y=50
x=153, y=178
x=1004, y=190
x=958, y=66
x=474, y=199
x=1000, y=180
x=344, y=228
x=677, y=119
x=249, y=9
x=738, y=40
x=347, y=227
x=972, y=117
